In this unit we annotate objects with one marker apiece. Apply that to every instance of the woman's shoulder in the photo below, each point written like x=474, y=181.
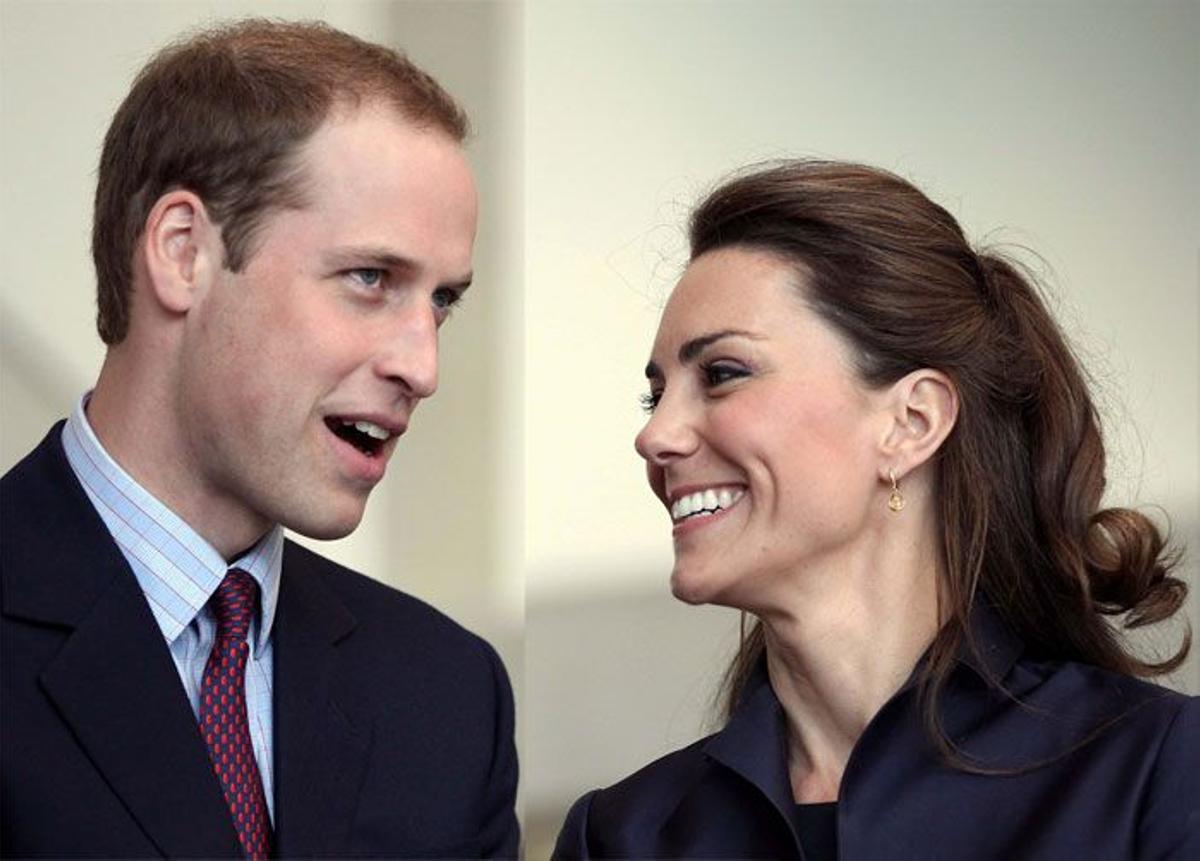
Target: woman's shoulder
x=1073, y=686
x=1116, y=730
x=636, y=804
x=653, y=787
x=1149, y=742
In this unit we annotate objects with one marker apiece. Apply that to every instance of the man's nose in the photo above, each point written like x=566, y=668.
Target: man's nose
x=410, y=355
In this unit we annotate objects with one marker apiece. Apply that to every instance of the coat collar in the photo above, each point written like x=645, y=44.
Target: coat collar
x=990, y=647
x=754, y=742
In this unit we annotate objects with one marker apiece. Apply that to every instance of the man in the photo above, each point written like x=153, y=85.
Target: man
x=284, y=218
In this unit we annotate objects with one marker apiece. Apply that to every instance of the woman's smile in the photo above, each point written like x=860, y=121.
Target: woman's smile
x=694, y=508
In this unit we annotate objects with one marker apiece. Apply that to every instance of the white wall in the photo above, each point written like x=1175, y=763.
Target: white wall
x=1071, y=127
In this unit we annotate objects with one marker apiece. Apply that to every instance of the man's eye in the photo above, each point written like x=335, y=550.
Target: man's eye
x=722, y=372
x=650, y=400
x=445, y=298
x=367, y=277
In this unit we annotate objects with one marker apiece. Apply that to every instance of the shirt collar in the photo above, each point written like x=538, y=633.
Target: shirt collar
x=176, y=568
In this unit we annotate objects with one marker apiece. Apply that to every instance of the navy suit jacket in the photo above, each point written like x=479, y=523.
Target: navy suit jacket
x=1133, y=791
x=393, y=725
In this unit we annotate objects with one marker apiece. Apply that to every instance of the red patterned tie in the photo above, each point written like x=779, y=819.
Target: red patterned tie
x=223, y=712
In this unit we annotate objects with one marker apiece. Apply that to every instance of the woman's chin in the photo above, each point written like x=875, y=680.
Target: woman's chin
x=691, y=586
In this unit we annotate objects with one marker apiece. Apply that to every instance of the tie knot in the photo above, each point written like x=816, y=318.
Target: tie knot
x=233, y=604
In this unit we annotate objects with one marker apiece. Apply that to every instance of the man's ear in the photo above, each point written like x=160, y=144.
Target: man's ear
x=923, y=407
x=182, y=250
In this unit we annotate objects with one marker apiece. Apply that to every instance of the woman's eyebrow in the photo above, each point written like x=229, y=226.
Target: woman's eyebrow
x=691, y=349
x=694, y=347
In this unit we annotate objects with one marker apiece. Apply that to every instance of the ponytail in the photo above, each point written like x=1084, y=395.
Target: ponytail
x=1097, y=562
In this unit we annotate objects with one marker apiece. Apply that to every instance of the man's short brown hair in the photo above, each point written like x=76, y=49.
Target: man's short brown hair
x=223, y=113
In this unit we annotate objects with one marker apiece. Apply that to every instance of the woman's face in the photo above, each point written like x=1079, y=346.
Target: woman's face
x=763, y=444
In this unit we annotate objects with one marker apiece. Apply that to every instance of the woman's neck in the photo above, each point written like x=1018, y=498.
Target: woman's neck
x=836, y=654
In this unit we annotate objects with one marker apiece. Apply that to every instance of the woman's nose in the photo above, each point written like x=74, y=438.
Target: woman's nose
x=668, y=435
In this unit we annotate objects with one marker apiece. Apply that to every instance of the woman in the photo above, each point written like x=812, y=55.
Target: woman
x=876, y=441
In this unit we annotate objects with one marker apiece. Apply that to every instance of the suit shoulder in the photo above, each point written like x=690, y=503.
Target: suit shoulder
x=41, y=473
x=384, y=611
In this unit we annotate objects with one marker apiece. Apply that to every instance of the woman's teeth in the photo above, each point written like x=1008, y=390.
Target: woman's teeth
x=705, y=502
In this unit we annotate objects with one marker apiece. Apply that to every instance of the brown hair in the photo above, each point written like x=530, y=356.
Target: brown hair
x=224, y=113
x=1021, y=474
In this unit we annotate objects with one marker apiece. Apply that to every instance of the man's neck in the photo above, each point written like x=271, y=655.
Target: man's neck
x=131, y=417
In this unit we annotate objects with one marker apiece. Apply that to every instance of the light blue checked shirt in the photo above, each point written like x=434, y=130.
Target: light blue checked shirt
x=178, y=572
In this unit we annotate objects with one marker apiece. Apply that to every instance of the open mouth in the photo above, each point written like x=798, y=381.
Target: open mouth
x=367, y=437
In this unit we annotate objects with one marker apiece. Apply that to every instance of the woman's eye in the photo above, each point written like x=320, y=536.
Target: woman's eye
x=722, y=372
x=367, y=277
x=650, y=400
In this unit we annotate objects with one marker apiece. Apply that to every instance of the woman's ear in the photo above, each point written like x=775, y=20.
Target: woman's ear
x=923, y=407
x=182, y=250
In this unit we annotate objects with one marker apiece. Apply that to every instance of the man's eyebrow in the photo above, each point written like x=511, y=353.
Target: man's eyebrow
x=372, y=257
x=693, y=348
x=369, y=256
x=461, y=284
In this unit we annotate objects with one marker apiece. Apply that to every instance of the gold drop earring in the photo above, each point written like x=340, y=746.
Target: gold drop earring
x=896, y=499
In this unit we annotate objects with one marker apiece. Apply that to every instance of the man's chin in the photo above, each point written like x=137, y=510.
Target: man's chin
x=325, y=528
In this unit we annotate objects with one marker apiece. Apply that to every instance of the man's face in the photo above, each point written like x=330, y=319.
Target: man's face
x=299, y=373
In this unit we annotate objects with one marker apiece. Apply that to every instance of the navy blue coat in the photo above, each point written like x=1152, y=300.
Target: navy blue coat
x=393, y=725
x=1131, y=792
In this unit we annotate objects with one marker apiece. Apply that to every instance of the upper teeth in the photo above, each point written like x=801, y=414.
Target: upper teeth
x=370, y=429
x=705, y=502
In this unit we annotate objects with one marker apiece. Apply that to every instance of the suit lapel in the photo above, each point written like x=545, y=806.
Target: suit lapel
x=321, y=738
x=115, y=684
x=113, y=681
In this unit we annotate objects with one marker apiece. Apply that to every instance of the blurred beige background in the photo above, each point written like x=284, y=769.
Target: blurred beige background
x=516, y=502
x=1071, y=127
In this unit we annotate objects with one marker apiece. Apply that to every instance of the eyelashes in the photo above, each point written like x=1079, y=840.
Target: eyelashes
x=719, y=373
x=446, y=298
x=714, y=375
